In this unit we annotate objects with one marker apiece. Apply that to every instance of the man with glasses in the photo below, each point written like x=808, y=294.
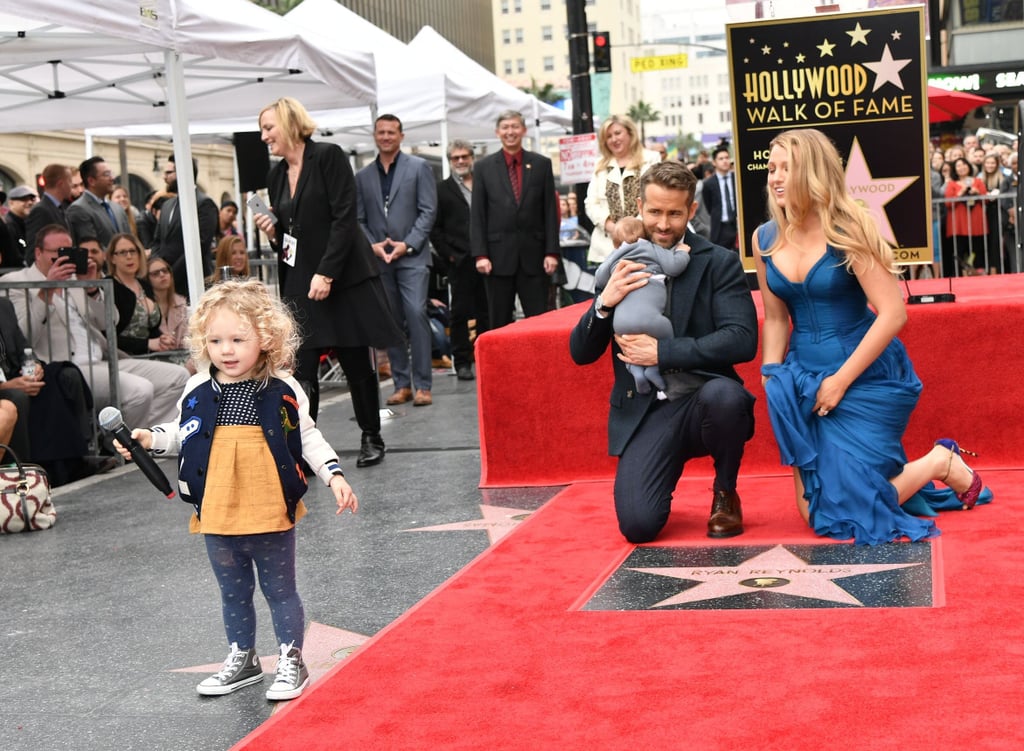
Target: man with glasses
x=93, y=215
x=450, y=238
x=69, y=324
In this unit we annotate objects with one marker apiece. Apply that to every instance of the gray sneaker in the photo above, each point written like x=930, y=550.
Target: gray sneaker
x=241, y=669
x=292, y=676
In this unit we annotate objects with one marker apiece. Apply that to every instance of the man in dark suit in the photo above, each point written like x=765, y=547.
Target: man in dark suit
x=514, y=224
x=396, y=204
x=705, y=410
x=450, y=238
x=718, y=196
x=92, y=214
x=51, y=206
x=169, y=240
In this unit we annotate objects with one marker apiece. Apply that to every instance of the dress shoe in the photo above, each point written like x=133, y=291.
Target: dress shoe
x=726, y=515
x=371, y=450
x=442, y=362
x=464, y=373
x=423, y=398
x=384, y=370
x=401, y=396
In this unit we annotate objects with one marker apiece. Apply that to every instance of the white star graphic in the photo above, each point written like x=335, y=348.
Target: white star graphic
x=897, y=35
x=871, y=192
x=766, y=50
x=826, y=48
x=800, y=58
x=887, y=70
x=858, y=35
x=498, y=522
x=777, y=569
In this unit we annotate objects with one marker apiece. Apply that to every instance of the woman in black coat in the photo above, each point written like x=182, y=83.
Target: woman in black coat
x=327, y=271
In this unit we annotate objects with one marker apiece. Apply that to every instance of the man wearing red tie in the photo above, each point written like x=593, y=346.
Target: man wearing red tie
x=514, y=224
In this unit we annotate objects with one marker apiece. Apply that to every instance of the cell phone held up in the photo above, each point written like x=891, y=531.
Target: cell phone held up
x=78, y=256
x=258, y=206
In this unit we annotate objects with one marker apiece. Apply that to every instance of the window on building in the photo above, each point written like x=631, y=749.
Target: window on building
x=508, y=67
x=549, y=63
x=519, y=36
x=517, y=6
x=520, y=65
x=504, y=7
x=506, y=36
x=546, y=33
x=545, y=4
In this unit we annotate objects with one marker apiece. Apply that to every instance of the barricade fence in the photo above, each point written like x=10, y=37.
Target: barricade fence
x=100, y=345
x=987, y=238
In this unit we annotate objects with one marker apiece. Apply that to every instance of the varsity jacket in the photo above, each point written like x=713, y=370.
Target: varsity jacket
x=283, y=411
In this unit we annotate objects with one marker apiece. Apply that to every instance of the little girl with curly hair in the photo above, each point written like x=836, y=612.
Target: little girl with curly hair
x=242, y=434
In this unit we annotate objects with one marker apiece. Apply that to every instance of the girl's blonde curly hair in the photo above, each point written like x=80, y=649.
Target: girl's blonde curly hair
x=269, y=319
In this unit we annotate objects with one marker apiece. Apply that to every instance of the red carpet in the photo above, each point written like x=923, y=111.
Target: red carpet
x=501, y=657
x=543, y=419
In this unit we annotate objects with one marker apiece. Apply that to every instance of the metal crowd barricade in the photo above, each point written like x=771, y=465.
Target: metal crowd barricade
x=999, y=246
x=100, y=354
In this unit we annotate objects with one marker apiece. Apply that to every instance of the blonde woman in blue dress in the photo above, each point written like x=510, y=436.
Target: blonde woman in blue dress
x=840, y=385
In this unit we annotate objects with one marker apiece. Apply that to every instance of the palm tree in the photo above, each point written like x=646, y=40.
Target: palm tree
x=643, y=112
x=545, y=93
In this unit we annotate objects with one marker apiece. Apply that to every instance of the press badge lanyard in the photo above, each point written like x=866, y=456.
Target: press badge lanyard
x=289, y=243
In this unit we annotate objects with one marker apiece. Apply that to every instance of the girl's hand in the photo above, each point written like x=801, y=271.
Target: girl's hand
x=142, y=436
x=343, y=494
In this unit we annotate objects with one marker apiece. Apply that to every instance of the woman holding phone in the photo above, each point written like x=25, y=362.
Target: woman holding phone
x=328, y=273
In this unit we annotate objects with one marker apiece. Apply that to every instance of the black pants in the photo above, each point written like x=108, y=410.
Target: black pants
x=502, y=291
x=359, y=373
x=469, y=300
x=716, y=421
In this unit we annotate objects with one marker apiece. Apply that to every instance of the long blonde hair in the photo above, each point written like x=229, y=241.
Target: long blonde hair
x=816, y=185
x=636, y=149
x=268, y=318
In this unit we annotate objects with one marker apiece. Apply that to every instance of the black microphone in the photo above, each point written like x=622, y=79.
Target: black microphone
x=112, y=422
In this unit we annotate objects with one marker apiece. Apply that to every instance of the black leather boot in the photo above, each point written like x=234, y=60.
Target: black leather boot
x=371, y=450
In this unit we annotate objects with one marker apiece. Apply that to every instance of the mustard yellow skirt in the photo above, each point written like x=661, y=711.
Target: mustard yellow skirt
x=243, y=493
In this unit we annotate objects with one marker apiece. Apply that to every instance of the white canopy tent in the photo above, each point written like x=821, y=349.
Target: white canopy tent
x=128, y=62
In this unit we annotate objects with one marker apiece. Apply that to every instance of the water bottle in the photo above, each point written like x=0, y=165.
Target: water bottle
x=28, y=364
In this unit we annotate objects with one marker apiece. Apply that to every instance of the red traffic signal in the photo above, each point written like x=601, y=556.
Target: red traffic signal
x=602, y=52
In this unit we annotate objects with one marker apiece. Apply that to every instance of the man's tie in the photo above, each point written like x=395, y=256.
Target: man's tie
x=513, y=176
x=110, y=213
x=730, y=189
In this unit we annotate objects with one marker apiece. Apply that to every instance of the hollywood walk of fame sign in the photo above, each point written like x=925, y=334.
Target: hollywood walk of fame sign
x=771, y=577
x=860, y=79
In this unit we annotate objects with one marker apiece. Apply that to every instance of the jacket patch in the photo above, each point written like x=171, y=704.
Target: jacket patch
x=188, y=429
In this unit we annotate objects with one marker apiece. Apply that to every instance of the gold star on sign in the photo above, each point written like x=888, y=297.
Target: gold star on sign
x=859, y=35
x=826, y=48
x=897, y=35
x=766, y=50
x=800, y=58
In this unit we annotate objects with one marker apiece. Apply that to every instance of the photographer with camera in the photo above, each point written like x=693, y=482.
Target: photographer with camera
x=68, y=324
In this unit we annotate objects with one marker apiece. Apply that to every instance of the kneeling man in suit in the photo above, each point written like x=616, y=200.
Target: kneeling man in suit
x=704, y=409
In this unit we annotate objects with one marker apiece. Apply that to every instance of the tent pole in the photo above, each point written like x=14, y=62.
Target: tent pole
x=186, y=181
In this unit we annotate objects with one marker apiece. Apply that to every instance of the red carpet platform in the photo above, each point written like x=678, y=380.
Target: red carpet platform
x=504, y=656
x=543, y=419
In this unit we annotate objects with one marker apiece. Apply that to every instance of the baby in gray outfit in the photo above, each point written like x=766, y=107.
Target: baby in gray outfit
x=642, y=311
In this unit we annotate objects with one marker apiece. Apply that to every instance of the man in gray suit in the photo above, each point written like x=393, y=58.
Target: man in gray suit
x=396, y=201
x=92, y=214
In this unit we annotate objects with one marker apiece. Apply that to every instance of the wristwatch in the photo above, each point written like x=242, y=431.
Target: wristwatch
x=599, y=304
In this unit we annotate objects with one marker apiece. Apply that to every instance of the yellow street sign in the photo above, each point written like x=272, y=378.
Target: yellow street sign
x=657, y=62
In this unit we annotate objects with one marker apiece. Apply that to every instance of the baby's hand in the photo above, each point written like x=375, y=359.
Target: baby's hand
x=682, y=247
x=627, y=230
x=343, y=494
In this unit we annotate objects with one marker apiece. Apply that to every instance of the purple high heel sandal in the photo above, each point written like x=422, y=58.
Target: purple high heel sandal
x=970, y=496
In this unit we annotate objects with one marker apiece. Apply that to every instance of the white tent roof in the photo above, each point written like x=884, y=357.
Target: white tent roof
x=124, y=62
x=89, y=63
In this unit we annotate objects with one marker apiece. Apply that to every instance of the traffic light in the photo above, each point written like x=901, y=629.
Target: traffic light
x=602, y=52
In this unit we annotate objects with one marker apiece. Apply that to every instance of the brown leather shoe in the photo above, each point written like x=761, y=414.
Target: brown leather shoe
x=726, y=515
x=401, y=396
x=423, y=398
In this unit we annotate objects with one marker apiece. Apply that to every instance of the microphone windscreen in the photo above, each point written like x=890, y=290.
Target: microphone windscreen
x=110, y=418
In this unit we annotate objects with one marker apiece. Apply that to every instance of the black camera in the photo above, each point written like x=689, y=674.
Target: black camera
x=78, y=256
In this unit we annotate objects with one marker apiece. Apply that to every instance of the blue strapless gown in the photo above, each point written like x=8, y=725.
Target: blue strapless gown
x=847, y=457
